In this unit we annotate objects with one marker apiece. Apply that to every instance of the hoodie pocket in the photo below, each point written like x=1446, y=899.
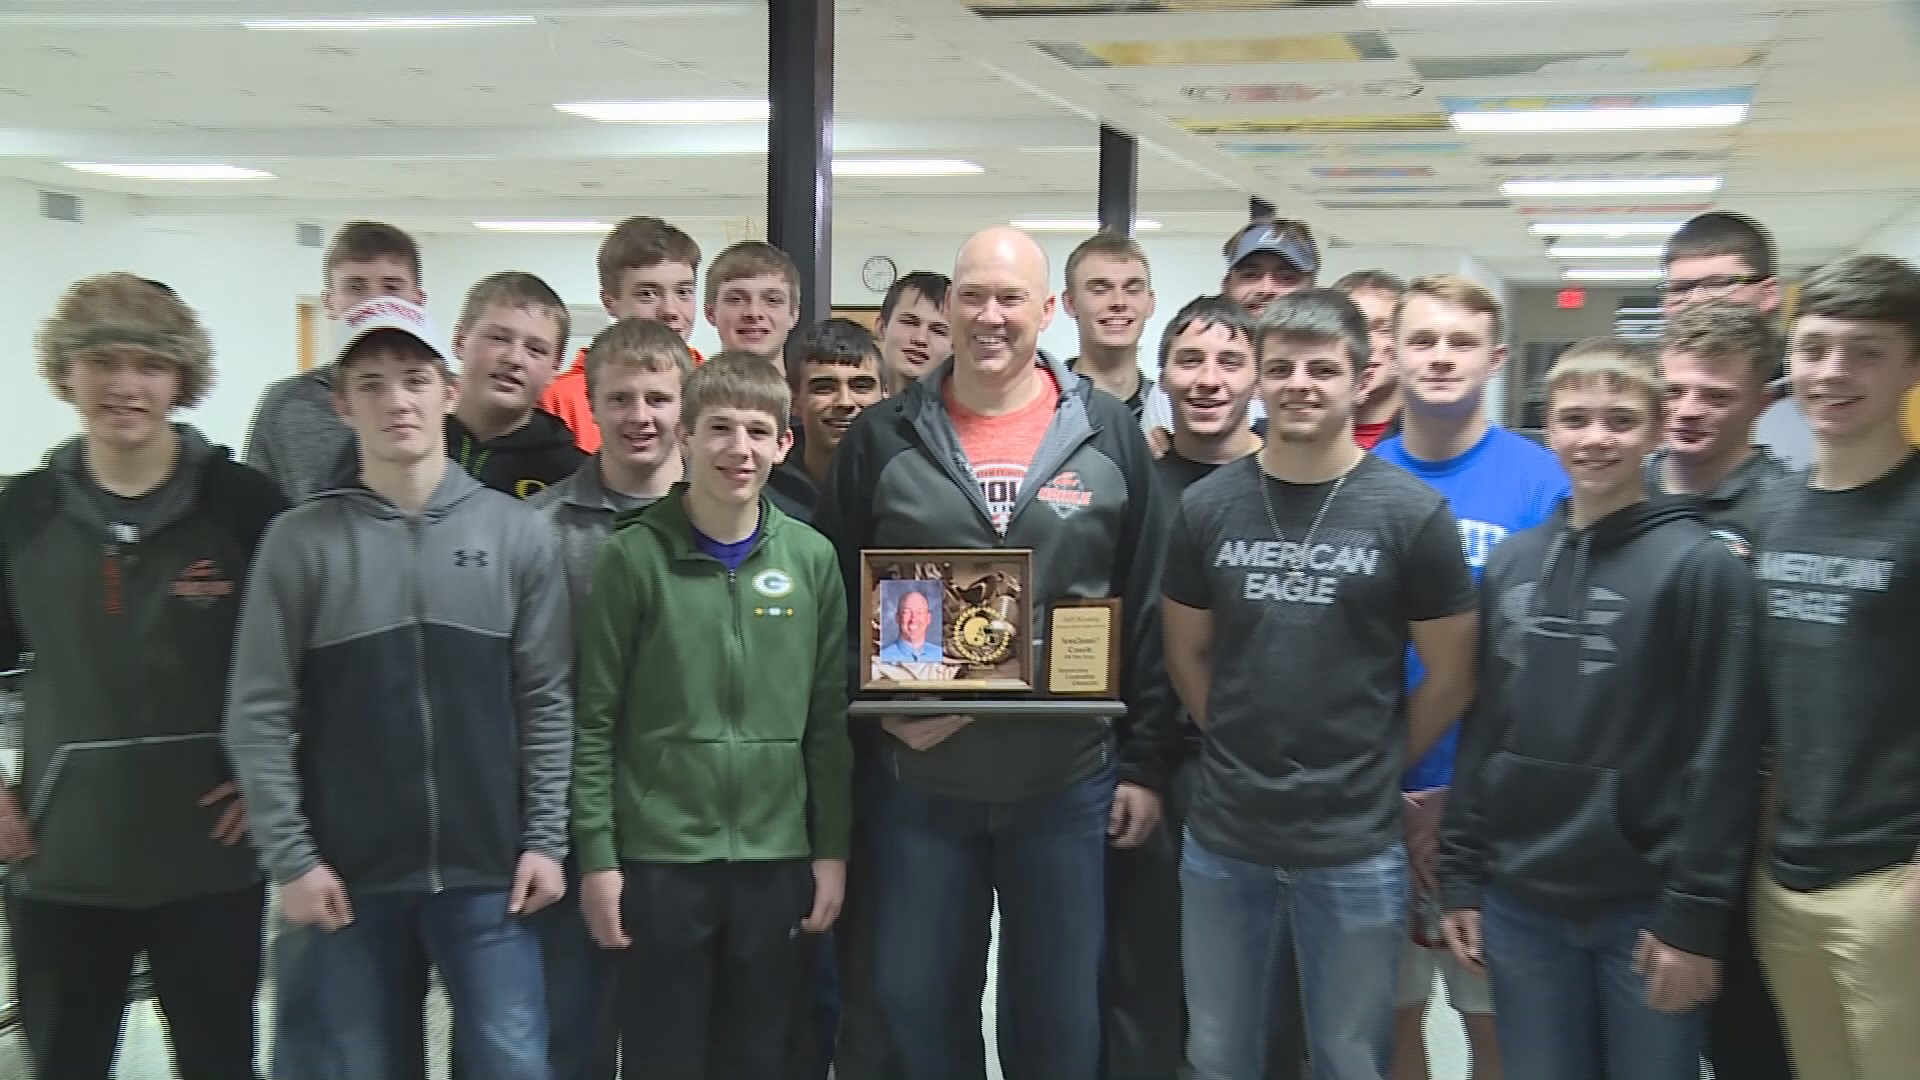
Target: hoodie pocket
x=1554, y=828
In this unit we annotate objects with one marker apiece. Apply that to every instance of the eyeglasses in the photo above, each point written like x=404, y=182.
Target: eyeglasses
x=1711, y=287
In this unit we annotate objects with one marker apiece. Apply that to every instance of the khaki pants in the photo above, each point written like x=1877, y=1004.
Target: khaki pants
x=1844, y=964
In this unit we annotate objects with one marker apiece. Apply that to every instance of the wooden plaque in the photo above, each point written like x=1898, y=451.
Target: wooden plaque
x=941, y=620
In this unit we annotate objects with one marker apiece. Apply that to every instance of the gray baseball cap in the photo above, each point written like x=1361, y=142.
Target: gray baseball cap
x=1291, y=240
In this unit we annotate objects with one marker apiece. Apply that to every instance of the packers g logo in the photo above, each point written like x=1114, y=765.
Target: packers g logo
x=772, y=584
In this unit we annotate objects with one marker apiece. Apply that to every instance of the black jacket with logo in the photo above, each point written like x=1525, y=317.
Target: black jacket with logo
x=1738, y=508
x=1613, y=752
x=131, y=636
x=901, y=480
x=523, y=462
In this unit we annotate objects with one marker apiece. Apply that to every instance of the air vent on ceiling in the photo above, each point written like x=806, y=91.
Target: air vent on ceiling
x=309, y=235
x=59, y=206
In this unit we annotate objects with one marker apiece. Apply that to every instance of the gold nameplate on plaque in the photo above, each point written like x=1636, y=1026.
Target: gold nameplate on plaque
x=1082, y=647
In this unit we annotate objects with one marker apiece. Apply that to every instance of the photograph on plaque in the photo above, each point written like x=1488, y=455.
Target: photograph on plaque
x=947, y=620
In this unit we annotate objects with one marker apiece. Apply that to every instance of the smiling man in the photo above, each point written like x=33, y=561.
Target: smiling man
x=1110, y=296
x=753, y=299
x=1715, y=360
x=836, y=374
x=1377, y=294
x=508, y=342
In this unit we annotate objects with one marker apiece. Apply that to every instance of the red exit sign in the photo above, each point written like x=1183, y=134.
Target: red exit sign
x=1572, y=299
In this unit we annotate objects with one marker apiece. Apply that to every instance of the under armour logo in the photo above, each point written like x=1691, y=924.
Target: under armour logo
x=1604, y=608
x=463, y=557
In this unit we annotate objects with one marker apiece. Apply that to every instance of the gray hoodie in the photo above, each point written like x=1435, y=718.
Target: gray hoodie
x=425, y=663
x=297, y=438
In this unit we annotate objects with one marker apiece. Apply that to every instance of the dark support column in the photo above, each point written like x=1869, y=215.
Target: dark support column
x=800, y=145
x=1259, y=209
x=1119, y=180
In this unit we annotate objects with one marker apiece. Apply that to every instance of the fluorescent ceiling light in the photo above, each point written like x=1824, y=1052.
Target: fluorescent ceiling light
x=904, y=167
x=1564, y=251
x=1607, y=229
x=170, y=172
x=1658, y=118
x=544, y=226
x=1075, y=225
x=1609, y=273
x=669, y=112
x=1444, y=3
x=1653, y=185
x=437, y=22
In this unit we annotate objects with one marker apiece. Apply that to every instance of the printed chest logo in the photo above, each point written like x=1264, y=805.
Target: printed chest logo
x=773, y=584
x=1598, y=652
x=1297, y=575
x=1736, y=543
x=470, y=557
x=1820, y=587
x=202, y=583
x=1066, y=494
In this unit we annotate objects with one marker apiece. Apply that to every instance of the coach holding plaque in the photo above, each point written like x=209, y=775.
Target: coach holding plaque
x=1003, y=451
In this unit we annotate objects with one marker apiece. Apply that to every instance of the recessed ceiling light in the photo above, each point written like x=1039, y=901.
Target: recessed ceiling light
x=400, y=22
x=170, y=172
x=904, y=167
x=1075, y=225
x=1653, y=185
x=1658, y=118
x=669, y=112
x=1564, y=251
x=544, y=226
x=1607, y=229
x=1611, y=273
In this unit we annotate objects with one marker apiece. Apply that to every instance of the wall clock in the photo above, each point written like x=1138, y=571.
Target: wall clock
x=879, y=273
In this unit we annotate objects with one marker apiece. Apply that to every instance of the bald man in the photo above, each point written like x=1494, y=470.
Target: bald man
x=1007, y=448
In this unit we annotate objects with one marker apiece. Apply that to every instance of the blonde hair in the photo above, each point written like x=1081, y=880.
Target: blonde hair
x=1719, y=330
x=1619, y=366
x=737, y=380
x=646, y=345
x=1463, y=293
x=522, y=292
x=111, y=310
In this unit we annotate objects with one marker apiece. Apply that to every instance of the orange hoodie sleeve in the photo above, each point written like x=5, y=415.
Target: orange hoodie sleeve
x=566, y=398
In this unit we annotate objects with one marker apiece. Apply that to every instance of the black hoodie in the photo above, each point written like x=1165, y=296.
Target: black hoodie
x=1613, y=754
x=524, y=462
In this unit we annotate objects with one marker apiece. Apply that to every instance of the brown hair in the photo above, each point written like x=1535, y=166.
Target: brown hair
x=1461, y=292
x=1116, y=245
x=752, y=258
x=1615, y=364
x=365, y=241
x=637, y=345
x=1723, y=233
x=112, y=310
x=1722, y=330
x=737, y=380
x=640, y=242
x=1371, y=281
x=1867, y=288
x=521, y=291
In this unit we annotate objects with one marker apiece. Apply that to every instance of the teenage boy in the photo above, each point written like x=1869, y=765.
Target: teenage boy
x=1308, y=557
x=1109, y=295
x=1265, y=261
x=753, y=299
x=296, y=437
x=122, y=561
x=712, y=822
x=647, y=271
x=1005, y=447
x=508, y=342
x=837, y=374
x=634, y=371
x=398, y=719
x=1377, y=294
x=912, y=328
x=1602, y=812
x=1497, y=483
x=1837, y=912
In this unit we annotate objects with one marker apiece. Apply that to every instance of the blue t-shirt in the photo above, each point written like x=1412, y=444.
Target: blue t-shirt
x=730, y=555
x=1506, y=483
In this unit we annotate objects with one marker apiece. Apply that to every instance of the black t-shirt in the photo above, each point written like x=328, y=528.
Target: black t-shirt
x=1136, y=403
x=1178, y=473
x=1307, y=730
x=1840, y=571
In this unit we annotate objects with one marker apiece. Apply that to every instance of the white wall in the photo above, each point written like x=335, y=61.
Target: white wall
x=1900, y=237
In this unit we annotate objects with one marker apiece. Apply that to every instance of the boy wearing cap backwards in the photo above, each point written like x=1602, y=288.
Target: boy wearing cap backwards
x=122, y=559
x=712, y=809
x=412, y=631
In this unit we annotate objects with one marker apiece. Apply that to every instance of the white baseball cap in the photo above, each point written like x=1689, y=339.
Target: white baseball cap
x=392, y=313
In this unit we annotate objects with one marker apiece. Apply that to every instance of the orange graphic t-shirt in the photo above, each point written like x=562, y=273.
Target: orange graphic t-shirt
x=1001, y=448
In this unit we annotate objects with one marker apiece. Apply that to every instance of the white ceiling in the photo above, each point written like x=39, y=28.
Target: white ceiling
x=436, y=128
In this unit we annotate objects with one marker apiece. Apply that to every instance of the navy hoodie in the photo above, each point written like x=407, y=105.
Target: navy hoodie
x=1613, y=753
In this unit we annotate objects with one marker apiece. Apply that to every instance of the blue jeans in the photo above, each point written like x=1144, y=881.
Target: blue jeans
x=582, y=990
x=1569, y=1004
x=338, y=994
x=937, y=864
x=1348, y=925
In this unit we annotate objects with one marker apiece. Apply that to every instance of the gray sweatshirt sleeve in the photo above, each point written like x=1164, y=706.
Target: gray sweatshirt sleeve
x=259, y=452
x=262, y=700
x=543, y=687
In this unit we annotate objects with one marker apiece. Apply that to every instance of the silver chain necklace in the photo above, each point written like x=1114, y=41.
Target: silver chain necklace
x=1273, y=521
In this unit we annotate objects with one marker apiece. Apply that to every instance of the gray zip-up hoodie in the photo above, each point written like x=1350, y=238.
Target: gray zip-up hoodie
x=425, y=663
x=297, y=438
x=582, y=511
